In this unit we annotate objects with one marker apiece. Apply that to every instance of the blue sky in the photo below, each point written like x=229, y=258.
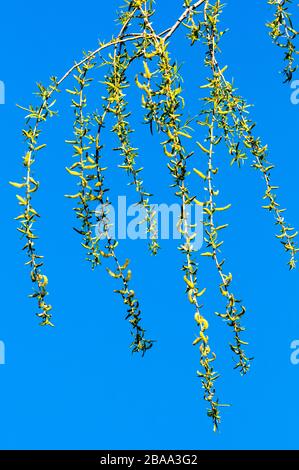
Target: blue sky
x=77, y=386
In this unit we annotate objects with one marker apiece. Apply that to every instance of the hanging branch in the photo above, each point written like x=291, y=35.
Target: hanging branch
x=234, y=311
x=166, y=115
x=88, y=170
x=27, y=219
x=119, y=271
x=116, y=83
x=81, y=145
x=284, y=35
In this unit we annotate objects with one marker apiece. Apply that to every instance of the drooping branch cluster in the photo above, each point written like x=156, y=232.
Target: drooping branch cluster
x=212, y=113
x=84, y=163
x=116, y=85
x=35, y=117
x=95, y=222
x=162, y=101
x=284, y=35
x=225, y=119
x=238, y=133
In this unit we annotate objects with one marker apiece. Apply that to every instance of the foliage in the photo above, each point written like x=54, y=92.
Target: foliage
x=284, y=35
x=225, y=119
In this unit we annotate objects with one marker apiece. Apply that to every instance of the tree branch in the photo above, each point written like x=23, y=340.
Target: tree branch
x=99, y=49
x=169, y=32
x=183, y=17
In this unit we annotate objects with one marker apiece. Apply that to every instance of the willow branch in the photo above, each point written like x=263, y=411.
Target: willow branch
x=169, y=32
x=183, y=16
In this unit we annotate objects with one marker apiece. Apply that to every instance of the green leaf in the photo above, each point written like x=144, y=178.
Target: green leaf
x=199, y=173
x=17, y=185
x=203, y=148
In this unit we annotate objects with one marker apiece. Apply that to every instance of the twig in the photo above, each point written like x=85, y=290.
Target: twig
x=132, y=37
x=183, y=17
